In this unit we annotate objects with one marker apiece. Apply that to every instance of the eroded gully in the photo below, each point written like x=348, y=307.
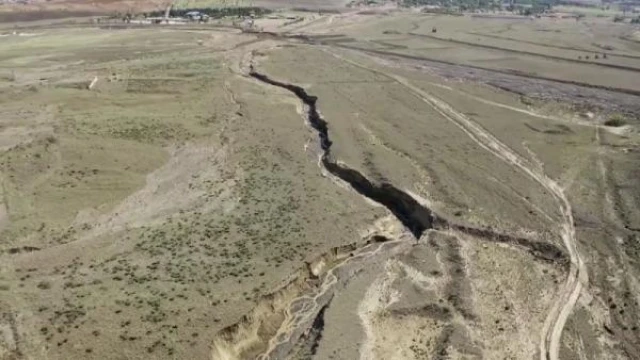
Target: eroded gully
x=413, y=215
x=409, y=211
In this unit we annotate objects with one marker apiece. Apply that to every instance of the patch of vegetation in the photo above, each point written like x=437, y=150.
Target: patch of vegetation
x=217, y=12
x=150, y=132
x=616, y=121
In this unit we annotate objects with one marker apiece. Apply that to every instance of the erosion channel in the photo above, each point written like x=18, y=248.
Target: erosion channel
x=411, y=213
x=289, y=316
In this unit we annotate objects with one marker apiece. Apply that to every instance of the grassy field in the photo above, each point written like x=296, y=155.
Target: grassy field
x=162, y=202
x=589, y=11
x=159, y=202
x=593, y=50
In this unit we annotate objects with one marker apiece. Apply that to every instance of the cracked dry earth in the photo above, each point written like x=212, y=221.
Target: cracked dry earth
x=279, y=196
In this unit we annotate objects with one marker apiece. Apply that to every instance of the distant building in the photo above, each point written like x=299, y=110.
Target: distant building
x=196, y=16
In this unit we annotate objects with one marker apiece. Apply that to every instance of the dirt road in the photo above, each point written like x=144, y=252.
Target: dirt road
x=578, y=277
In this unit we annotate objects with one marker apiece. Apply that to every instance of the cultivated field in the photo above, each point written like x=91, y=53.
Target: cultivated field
x=346, y=185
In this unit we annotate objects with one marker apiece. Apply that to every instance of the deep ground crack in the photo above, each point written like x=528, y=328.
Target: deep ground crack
x=411, y=213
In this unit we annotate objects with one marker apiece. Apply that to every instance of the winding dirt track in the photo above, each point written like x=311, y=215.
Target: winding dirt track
x=578, y=276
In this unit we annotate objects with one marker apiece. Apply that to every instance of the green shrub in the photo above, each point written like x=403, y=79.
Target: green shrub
x=44, y=285
x=616, y=121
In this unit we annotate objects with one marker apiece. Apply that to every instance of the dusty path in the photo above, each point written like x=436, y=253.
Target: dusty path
x=578, y=277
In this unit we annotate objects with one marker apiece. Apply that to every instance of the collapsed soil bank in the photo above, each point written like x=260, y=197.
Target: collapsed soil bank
x=295, y=311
